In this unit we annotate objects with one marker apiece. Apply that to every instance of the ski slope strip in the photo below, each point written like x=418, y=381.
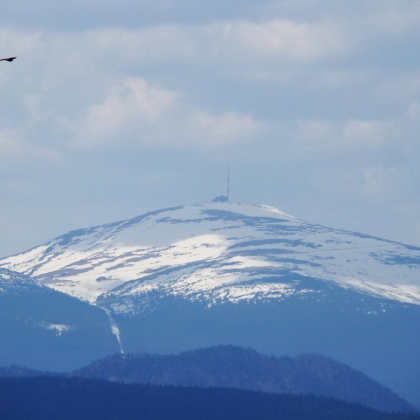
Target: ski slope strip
x=218, y=252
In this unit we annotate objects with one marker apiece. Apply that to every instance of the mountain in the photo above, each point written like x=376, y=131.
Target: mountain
x=87, y=399
x=218, y=252
x=236, y=367
x=46, y=329
x=223, y=273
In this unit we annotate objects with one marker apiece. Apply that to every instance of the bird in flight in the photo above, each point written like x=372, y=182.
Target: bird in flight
x=7, y=59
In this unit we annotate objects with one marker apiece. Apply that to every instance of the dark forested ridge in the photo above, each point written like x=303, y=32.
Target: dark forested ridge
x=51, y=398
x=237, y=367
x=241, y=368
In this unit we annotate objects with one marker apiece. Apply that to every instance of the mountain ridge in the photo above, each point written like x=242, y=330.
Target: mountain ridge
x=236, y=367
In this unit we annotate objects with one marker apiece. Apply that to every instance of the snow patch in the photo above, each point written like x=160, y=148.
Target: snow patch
x=59, y=328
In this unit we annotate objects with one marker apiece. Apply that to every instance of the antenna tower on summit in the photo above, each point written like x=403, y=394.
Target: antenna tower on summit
x=224, y=198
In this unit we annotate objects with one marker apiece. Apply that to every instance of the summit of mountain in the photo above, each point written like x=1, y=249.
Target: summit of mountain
x=218, y=251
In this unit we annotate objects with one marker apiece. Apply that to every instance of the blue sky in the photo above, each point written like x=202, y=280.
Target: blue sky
x=115, y=108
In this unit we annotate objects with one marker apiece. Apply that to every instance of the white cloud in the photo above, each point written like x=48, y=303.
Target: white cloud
x=355, y=134
x=331, y=136
x=10, y=141
x=285, y=39
x=13, y=147
x=397, y=16
x=374, y=177
x=137, y=112
x=17, y=42
x=223, y=42
x=216, y=130
x=382, y=182
x=367, y=134
x=129, y=107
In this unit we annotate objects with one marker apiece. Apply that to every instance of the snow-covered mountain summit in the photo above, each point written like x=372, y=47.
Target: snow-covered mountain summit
x=218, y=252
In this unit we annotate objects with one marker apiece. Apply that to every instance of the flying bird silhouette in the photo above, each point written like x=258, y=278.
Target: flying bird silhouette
x=7, y=59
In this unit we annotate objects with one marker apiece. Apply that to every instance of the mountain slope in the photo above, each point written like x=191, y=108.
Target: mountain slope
x=45, y=329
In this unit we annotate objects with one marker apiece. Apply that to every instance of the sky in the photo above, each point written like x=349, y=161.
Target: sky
x=115, y=108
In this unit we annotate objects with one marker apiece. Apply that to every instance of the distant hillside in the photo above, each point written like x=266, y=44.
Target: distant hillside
x=86, y=399
x=36, y=321
x=236, y=367
x=16, y=371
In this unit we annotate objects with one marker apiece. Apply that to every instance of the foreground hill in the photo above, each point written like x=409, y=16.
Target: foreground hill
x=235, y=367
x=84, y=399
x=224, y=273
